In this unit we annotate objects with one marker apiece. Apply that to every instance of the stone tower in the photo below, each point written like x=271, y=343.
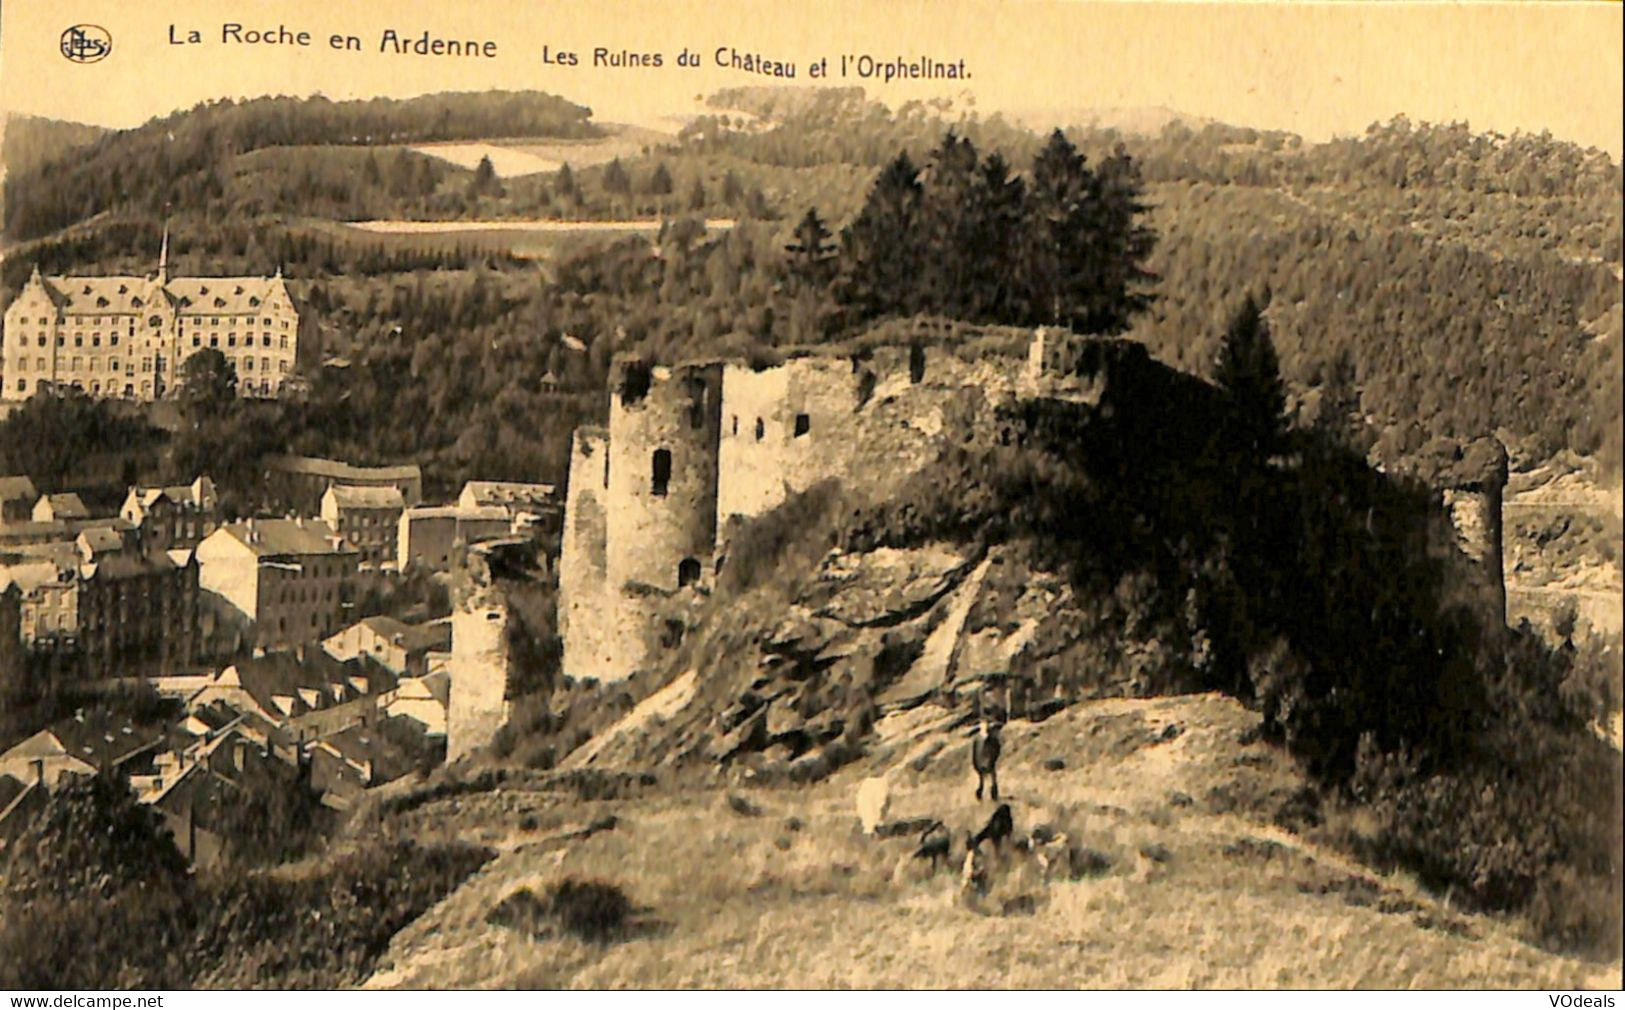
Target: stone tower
x=664, y=425
x=1472, y=491
x=479, y=662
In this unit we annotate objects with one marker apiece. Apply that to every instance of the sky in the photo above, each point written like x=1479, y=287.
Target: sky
x=1315, y=69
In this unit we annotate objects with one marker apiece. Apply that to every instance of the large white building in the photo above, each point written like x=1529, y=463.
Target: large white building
x=129, y=336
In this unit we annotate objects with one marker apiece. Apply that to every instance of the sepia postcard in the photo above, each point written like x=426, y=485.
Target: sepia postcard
x=748, y=495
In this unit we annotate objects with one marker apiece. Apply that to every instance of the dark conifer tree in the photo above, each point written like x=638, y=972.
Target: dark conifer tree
x=947, y=223
x=881, y=247
x=1249, y=372
x=994, y=232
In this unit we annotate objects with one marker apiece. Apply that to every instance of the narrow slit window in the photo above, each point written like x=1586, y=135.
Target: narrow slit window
x=662, y=472
x=803, y=425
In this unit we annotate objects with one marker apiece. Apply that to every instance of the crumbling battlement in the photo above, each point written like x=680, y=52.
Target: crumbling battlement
x=691, y=446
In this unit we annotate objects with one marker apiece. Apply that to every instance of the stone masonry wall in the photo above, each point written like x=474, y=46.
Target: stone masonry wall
x=662, y=516
x=478, y=665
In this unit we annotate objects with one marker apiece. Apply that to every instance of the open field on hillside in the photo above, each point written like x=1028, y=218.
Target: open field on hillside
x=516, y=156
x=527, y=239
x=1191, y=880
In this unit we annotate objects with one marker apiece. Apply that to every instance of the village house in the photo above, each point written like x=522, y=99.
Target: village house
x=403, y=648
x=430, y=535
x=103, y=607
x=26, y=532
x=17, y=498
x=534, y=510
x=511, y=496
x=368, y=517
x=294, y=485
x=305, y=694
x=84, y=745
x=173, y=516
x=426, y=699
x=289, y=580
x=59, y=508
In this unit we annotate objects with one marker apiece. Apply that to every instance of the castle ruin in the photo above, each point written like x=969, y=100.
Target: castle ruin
x=690, y=449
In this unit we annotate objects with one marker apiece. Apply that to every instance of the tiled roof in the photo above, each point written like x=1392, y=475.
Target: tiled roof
x=269, y=537
x=101, y=538
x=181, y=494
x=67, y=506
x=204, y=296
x=494, y=492
x=102, y=295
x=12, y=488
x=411, y=637
x=193, y=296
x=284, y=685
x=99, y=738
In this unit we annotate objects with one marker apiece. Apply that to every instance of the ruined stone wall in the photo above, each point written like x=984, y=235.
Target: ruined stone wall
x=1475, y=512
x=640, y=543
x=869, y=422
x=1470, y=479
x=479, y=672
x=582, y=542
x=662, y=516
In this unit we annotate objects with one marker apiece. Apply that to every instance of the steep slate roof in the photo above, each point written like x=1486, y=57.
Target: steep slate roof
x=270, y=537
x=83, y=296
x=100, y=739
x=354, y=496
x=496, y=492
x=67, y=505
x=98, y=539
x=411, y=637
x=180, y=494
x=13, y=488
x=285, y=686
x=202, y=296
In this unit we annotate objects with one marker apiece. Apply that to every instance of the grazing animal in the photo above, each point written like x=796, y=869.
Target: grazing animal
x=933, y=845
x=984, y=757
x=998, y=828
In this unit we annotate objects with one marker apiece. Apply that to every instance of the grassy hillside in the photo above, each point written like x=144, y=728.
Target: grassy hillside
x=1191, y=881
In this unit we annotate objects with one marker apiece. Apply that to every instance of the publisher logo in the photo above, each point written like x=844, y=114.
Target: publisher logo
x=86, y=43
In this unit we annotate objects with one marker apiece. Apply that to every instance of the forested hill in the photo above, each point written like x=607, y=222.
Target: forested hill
x=1440, y=281
x=177, y=161
x=1461, y=281
x=31, y=141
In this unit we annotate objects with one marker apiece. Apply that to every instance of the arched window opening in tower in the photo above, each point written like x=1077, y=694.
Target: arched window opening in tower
x=688, y=572
x=662, y=472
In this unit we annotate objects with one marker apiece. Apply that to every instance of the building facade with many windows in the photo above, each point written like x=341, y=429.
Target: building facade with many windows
x=129, y=336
